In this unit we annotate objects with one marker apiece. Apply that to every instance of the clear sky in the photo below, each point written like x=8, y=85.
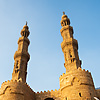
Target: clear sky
x=47, y=60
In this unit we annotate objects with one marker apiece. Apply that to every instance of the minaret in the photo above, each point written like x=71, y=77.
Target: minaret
x=69, y=45
x=17, y=88
x=79, y=82
x=21, y=56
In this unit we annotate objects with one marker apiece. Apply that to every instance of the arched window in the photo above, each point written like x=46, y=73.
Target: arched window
x=49, y=99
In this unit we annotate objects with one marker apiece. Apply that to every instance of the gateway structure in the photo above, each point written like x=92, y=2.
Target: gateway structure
x=75, y=84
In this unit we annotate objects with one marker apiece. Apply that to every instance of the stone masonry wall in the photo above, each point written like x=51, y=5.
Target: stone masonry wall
x=56, y=95
x=76, y=85
x=16, y=90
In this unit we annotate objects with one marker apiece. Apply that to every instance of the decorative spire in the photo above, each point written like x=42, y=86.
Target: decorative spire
x=63, y=13
x=26, y=22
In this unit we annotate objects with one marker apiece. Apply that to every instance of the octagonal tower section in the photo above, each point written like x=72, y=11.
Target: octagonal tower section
x=76, y=83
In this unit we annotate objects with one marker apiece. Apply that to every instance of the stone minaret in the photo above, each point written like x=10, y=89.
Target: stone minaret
x=21, y=56
x=75, y=84
x=17, y=88
x=69, y=45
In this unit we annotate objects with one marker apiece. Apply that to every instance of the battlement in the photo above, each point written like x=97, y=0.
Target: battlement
x=48, y=94
x=42, y=92
x=83, y=71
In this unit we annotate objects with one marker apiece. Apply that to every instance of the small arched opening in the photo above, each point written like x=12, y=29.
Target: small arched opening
x=49, y=99
x=80, y=95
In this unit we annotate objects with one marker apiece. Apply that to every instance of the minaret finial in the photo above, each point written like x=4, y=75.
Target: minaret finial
x=63, y=13
x=26, y=22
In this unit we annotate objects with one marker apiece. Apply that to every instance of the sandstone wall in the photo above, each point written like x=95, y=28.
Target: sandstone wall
x=56, y=95
x=77, y=85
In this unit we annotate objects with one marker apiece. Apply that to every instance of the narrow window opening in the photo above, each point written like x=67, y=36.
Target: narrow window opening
x=80, y=95
x=70, y=55
x=71, y=60
x=16, y=64
x=68, y=22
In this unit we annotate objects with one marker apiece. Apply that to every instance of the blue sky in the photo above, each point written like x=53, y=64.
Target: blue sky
x=47, y=60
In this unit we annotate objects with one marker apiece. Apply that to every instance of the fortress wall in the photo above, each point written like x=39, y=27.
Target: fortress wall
x=56, y=95
x=77, y=84
x=16, y=90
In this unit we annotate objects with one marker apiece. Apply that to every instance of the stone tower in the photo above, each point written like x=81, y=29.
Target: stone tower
x=79, y=82
x=21, y=56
